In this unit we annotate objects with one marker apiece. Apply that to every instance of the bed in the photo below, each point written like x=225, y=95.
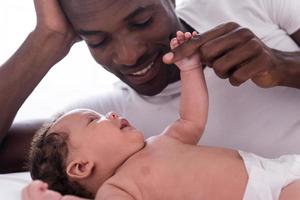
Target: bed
x=12, y=184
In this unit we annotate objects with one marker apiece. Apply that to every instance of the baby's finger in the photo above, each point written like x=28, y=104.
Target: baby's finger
x=174, y=43
x=44, y=186
x=187, y=36
x=35, y=184
x=180, y=37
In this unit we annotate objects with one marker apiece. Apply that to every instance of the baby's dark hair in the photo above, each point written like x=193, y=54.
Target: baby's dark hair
x=47, y=161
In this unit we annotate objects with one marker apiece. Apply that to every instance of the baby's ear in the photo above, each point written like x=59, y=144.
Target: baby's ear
x=79, y=169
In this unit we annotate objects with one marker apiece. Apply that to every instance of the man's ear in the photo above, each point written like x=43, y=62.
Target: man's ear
x=79, y=169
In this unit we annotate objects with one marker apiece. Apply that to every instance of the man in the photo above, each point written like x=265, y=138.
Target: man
x=120, y=38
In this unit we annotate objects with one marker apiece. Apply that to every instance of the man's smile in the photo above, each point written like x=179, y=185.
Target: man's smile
x=147, y=73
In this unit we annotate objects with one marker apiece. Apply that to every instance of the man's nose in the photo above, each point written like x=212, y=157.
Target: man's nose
x=112, y=115
x=128, y=52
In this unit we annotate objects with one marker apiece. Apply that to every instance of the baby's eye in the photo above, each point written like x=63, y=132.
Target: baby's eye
x=93, y=118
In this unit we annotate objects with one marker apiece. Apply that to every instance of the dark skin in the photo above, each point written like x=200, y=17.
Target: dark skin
x=20, y=135
x=235, y=53
x=57, y=36
x=124, y=46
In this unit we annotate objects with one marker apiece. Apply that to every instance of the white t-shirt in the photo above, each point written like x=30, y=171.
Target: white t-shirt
x=263, y=121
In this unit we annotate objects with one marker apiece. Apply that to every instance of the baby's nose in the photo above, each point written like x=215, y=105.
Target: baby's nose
x=112, y=115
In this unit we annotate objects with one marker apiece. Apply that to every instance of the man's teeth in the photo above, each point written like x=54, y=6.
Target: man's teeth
x=143, y=71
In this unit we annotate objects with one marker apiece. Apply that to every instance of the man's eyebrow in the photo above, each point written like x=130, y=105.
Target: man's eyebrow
x=89, y=32
x=138, y=11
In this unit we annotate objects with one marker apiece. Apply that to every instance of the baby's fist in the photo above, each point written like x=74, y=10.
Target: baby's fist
x=38, y=190
x=187, y=63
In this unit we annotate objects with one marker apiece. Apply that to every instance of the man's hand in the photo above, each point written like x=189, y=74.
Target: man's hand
x=235, y=53
x=51, y=20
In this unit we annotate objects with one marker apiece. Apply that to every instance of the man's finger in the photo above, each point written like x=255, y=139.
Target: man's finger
x=233, y=59
x=189, y=47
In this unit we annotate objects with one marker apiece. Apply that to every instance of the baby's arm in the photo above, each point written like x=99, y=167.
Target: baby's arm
x=38, y=190
x=194, y=98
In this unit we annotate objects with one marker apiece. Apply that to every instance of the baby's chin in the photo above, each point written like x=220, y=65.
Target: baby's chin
x=141, y=139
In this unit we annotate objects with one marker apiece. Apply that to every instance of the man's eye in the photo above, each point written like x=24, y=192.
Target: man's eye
x=98, y=45
x=143, y=24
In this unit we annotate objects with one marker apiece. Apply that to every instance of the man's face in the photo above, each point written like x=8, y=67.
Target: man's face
x=128, y=38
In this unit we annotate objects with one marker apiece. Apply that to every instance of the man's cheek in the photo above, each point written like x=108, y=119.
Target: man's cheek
x=163, y=32
x=102, y=59
x=168, y=26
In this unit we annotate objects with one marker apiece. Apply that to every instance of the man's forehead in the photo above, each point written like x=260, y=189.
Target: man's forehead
x=101, y=5
x=91, y=7
x=95, y=12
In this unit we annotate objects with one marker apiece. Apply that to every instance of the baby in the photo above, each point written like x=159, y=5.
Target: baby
x=87, y=154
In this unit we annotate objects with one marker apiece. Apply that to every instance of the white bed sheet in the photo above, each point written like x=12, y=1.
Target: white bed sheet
x=12, y=184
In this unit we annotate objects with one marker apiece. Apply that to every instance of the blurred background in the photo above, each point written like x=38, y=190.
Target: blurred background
x=76, y=76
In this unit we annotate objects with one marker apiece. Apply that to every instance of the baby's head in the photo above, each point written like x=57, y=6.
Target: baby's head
x=80, y=150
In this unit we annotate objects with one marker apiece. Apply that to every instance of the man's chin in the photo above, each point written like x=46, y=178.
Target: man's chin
x=154, y=88
x=155, y=84
x=148, y=89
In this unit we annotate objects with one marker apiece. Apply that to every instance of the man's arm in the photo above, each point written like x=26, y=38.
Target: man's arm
x=296, y=37
x=15, y=147
x=44, y=47
x=291, y=64
x=194, y=100
x=22, y=73
x=18, y=77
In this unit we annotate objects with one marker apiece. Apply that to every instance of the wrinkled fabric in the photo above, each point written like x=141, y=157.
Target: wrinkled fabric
x=267, y=177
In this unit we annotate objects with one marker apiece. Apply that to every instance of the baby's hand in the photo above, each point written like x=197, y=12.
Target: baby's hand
x=187, y=63
x=38, y=190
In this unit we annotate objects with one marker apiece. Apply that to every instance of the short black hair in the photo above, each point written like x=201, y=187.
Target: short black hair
x=47, y=162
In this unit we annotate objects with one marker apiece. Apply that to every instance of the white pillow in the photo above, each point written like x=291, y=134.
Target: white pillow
x=11, y=185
